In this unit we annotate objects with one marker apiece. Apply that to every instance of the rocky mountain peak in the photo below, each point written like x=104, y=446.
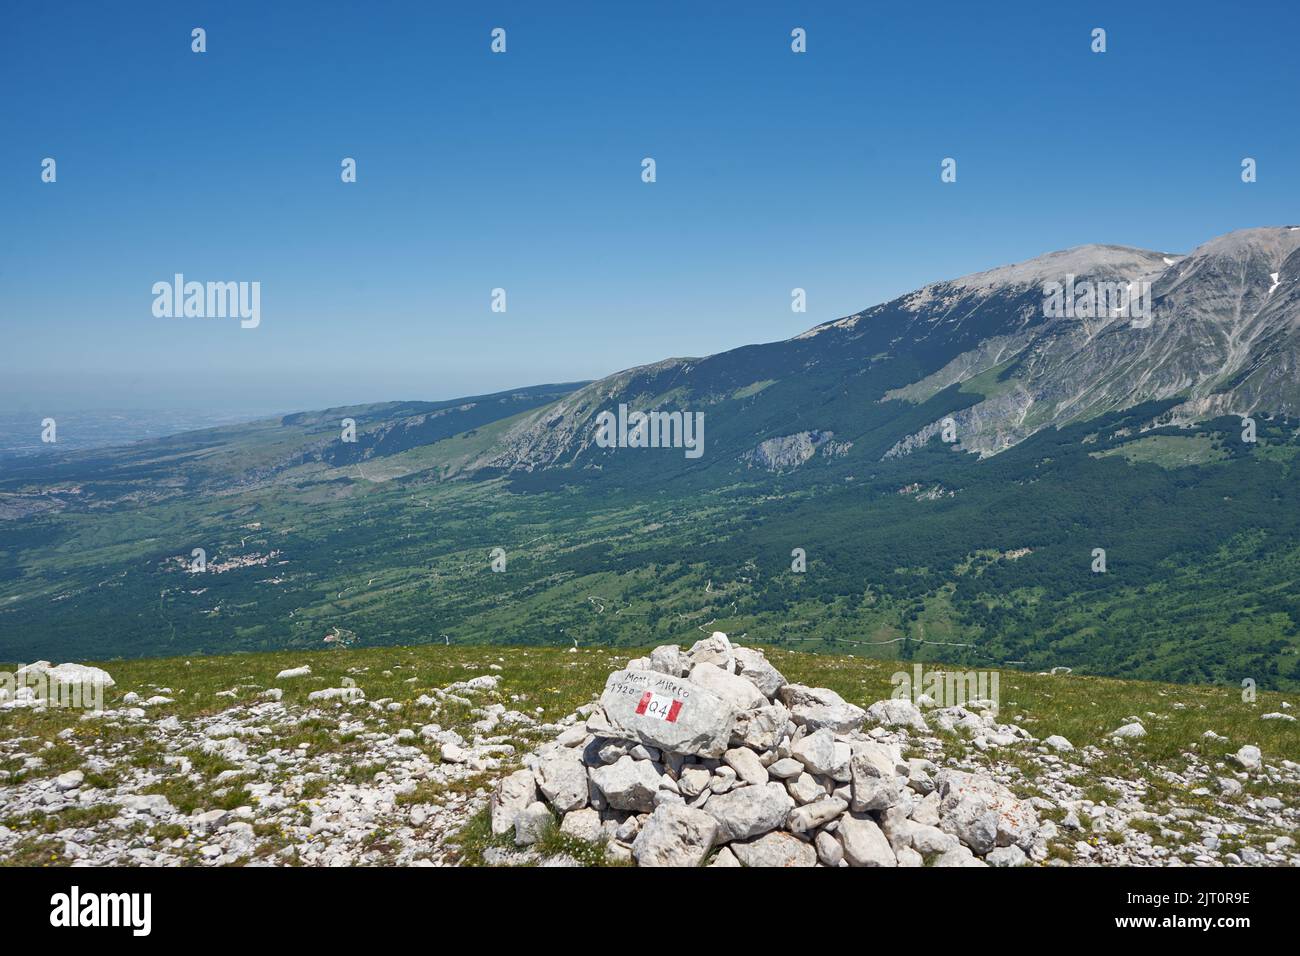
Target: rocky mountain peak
x=1093, y=260
x=1272, y=243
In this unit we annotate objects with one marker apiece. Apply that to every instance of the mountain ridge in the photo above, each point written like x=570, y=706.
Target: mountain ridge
x=1065, y=368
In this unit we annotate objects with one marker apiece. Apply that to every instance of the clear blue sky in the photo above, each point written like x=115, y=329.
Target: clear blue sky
x=522, y=170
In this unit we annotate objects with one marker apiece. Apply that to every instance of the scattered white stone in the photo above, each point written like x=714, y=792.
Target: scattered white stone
x=531, y=823
x=513, y=793
x=584, y=824
x=337, y=693
x=1130, y=731
x=77, y=674
x=1248, y=758
x=897, y=712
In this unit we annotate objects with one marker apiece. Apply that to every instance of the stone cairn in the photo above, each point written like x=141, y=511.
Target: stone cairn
x=712, y=755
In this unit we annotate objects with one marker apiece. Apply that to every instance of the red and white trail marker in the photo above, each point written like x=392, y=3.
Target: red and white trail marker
x=659, y=707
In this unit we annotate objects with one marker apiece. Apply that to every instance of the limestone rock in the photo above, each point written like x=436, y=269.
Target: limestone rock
x=693, y=781
x=762, y=727
x=805, y=788
x=675, y=835
x=628, y=784
x=740, y=693
x=817, y=707
x=531, y=823
x=829, y=850
x=716, y=650
x=563, y=780
x=1248, y=758
x=958, y=856
x=513, y=793
x=79, y=674
x=816, y=752
x=669, y=659
x=863, y=842
x=584, y=824
x=746, y=765
x=725, y=858
x=655, y=709
x=872, y=770
x=1007, y=856
x=749, y=811
x=974, y=824
x=756, y=669
x=897, y=712
x=785, y=769
x=1015, y=820
x=775, y=849
x=813, y=815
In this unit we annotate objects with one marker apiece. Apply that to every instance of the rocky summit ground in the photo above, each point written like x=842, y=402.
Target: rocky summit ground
x=392, y=756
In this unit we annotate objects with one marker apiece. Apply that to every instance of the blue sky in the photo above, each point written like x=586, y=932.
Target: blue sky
x=522, y=171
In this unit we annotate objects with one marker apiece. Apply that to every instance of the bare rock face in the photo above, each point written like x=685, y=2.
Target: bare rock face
x=791, y=451
x=1225, y=313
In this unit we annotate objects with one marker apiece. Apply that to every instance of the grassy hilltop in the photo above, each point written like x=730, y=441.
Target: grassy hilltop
x=333, y=743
